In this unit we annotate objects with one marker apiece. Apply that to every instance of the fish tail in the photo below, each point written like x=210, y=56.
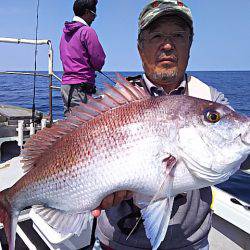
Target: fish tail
x=8, y=217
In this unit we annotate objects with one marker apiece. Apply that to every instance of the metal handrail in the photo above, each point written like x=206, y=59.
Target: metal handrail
x=26, y=41
x=22, y=73
x=50, y=74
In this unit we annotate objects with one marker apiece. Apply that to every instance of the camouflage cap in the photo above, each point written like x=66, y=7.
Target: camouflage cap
x=159, y=8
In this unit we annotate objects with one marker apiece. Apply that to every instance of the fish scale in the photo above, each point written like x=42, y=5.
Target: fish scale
x=107, y=182
x=126, y=141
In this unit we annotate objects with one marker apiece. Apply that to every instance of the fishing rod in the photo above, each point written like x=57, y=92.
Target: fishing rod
x=35, y=65
x=107, y=77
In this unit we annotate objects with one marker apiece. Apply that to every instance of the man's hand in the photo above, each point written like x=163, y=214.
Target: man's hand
x=112, y=200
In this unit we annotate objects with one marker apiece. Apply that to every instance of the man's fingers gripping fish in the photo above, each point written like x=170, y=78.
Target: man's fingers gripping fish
x=128, y=140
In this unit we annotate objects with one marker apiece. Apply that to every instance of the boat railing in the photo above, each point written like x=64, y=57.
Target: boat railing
x=50, y=75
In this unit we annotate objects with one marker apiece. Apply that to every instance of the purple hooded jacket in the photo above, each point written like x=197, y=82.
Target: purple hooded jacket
x=81, y=53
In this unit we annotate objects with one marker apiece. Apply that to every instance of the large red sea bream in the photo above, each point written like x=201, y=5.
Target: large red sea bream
x=156, y=147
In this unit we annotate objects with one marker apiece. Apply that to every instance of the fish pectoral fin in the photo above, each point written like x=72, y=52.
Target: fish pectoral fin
x=156, y=211
x=156, y=220
x=166, y=187
x=64, y=222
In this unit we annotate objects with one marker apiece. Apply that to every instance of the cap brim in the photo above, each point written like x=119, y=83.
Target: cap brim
x=185, y=17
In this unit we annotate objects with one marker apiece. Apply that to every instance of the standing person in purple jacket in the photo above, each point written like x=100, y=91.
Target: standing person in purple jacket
x=81, y=55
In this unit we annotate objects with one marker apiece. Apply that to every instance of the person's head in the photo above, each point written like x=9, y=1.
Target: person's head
x=86, y=9
x=164, y=39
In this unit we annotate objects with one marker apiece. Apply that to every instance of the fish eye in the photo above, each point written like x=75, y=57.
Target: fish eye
x=212, y=116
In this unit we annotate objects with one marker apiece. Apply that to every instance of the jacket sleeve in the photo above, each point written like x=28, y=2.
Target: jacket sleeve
x=94, y=49
x=219, y=97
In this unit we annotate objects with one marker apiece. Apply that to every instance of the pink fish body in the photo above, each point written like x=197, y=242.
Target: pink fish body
x=155, y=147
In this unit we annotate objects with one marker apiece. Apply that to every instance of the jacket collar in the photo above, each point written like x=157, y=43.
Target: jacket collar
x=154, y=90
x=79, y=19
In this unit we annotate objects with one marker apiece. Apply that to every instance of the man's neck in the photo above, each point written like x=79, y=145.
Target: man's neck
x=167, y=86
x=81, y=20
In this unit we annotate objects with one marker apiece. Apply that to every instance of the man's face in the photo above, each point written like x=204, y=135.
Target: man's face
x=164, y=50
x=92, y=16
x=89, y=16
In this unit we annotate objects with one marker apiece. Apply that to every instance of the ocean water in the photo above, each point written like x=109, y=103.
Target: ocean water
x=18, y=90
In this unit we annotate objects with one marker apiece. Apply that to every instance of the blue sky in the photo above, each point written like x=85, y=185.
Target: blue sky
x=221, y=42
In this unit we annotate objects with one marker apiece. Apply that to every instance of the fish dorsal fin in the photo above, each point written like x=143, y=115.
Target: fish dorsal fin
x=44, y=139
x=114, y=96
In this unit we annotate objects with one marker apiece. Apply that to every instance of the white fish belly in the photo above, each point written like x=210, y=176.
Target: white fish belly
x=85, y=187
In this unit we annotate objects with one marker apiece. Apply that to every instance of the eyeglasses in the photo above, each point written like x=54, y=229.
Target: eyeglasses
x=178, y=37
x=92, y=12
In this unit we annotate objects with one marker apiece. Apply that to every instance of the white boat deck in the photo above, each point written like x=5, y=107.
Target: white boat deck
x=10, y=172
x=231, y=224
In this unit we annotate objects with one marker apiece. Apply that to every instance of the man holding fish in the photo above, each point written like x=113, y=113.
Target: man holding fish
x=164, y=40
x=156, y=143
